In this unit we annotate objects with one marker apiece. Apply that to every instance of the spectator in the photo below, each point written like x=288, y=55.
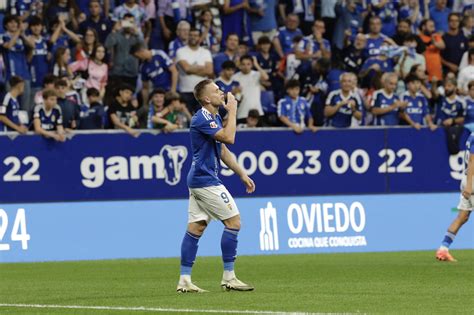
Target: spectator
x=235, y=19
x=375, y=38
x=155, y=106
x=450, y=107
x=294, y=110
x=409, y=57
x=9, y=108
x=386, y=11
x=169, y=118
x=404, y=30
x=463, y=6
x=316, y=45
x=86, y=46
x=69, y=110
x=96, y=20
x=455, y=43
x=466, y=75
x=92, y=115
x=348, y=23
x=62, y=36
x=122, y=113
x=26, y=9
x=209, y=37
x=304, y=10
x=48, y=120
x=469, y=119
x=342, y=105
x=39, y=57
x=354, y=54
x=249, y=80
x=283, y=40
x=328, y=15
x=468, y=25
x=48, y=84
x=194, y=64
x=439, y=14
x=434, y=44
x=230, y=52
x=416, y=114
x=130, y=7
x=410, y=11
x=181, y=40
x=62, y=57
x=386, y=106
x=94, y=69
x=465, y=60
x=420, y=72
x=13, y=49
x=124, y=67
x=157, y=70
x=64, y=10
x=263, y=19
x=251, y=120
x=169, y=17
x=268, y=61
x=316, y=89
x=227, y=84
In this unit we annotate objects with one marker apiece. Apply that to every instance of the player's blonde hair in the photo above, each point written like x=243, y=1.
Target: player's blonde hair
x=200, y=88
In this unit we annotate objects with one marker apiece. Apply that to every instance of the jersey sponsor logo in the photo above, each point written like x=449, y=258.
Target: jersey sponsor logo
x=213, y=125
x=167, y=165
x=268, y=228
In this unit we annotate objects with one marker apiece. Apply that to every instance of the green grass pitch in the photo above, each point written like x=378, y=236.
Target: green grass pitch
x=402, y=282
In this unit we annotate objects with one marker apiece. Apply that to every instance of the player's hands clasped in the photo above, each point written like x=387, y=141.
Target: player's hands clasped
x=249, y=184
x=231, y=105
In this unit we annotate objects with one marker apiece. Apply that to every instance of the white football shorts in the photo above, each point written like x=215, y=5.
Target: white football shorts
x=465, y=204
x=213, y=202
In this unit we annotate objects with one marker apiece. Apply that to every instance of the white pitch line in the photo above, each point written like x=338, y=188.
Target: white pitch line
x=149, y=309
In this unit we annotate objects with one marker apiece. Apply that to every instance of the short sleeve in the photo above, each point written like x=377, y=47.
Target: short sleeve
x=281, y=108
x=4, y=105
x=59, y=121
x=375, y=101
x=207, y=55
x=36, y=113
x=208, y=125
x=329, y=99
x=180, y=54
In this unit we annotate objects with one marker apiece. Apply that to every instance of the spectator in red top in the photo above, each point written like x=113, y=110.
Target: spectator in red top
x=434, y=45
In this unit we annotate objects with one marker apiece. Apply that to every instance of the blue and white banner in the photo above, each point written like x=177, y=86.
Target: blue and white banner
x=271, y=225
x=115, y=166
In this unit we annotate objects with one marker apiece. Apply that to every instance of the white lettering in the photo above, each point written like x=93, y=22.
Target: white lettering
x=295, y=229
x=92, y=170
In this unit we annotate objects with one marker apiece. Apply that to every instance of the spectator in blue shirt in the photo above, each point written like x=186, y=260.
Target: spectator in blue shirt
x=450, y=107
x=48, y=120
x=385, y=105
x=375, y=38
x=416, y=114
x=283, y=41
x=13, y=46
x=9, y=108
x=342, y=105
x=315, y=46
x=92, y=116
x=262, y=19
x=293, y=110
x=439, y=14
x=97, y=21
x=235, y=19
x=230, y=53
x=181, y=40
x=348, y=23
x=157, y=69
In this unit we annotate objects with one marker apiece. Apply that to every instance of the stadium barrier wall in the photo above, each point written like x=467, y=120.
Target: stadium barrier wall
x=271, y=225
x=116, y=166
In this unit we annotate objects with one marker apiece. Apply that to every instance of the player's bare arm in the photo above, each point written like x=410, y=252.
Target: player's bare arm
x=229, y=160
x=227, y=134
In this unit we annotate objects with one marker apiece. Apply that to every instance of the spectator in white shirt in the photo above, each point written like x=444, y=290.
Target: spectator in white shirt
x=466, y=75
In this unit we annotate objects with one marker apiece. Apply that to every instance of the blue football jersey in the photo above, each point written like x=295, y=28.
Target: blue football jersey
x=298, y=111
x=343, y=117
x=373, y=45
x=206, y=150
x=469, y=111
x=39, y=62
x=447, y=108
x=382, y=100
x=156, y=70
x=286, y=38
x=174, y=46
x=10, y=108
x=417, y=107
x=51, y=119
x=15, y=58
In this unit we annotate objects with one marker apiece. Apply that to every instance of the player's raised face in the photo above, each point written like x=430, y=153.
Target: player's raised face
x=213, y=95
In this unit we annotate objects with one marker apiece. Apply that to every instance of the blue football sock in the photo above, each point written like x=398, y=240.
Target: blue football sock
x=448, y=239
x=229, y=247
x=189, y=248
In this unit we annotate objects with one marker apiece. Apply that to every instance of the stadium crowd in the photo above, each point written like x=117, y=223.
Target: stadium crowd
x=132, y=64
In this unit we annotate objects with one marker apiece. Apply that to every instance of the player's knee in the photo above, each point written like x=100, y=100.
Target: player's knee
x=233, y=223
x=197, y=228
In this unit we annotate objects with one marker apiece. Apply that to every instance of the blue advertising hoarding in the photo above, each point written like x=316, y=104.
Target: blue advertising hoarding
x=116, y=166
x=270, y=225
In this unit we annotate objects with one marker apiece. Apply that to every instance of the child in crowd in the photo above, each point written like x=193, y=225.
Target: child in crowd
x=169, y=118
x=48, y=120
x=92, y=115
x=10, y=107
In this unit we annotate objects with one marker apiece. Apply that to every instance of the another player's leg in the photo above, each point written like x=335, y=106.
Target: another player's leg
x=443, y=252
x=229, y=243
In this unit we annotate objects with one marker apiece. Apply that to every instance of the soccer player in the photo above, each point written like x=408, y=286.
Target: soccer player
x=209, y=199
x=48, y=120
x=465, y=206
x=9, y=108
